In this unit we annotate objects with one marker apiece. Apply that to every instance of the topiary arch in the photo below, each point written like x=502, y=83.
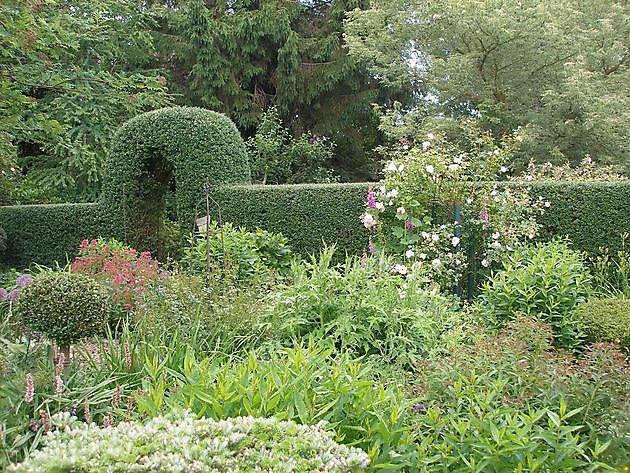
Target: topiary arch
x=180, y=145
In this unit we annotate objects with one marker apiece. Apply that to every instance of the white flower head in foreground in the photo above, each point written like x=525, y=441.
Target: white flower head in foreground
x=410, y=253
x=429, y=168
x=400, y=269
x=455, y=241
x=400, y=210
x=379, y=205
x=179, y=442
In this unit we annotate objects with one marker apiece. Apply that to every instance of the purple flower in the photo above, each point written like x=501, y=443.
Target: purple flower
x=371, y=202
x=371, y=247
x=3, y=294
x=24, y=280
x=14, y=295
x=409, y=225
x=418, y=407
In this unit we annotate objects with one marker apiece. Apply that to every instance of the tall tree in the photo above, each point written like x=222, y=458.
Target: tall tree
x=70, y=73
x=560, y=68
x=242, y=56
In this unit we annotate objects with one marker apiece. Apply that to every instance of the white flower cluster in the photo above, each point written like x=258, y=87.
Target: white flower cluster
x=179, y=442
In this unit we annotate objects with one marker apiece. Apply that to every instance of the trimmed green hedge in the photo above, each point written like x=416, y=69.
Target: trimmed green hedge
x=184, y=144
x=592, y=214
x=305, y=213
x=47, y=233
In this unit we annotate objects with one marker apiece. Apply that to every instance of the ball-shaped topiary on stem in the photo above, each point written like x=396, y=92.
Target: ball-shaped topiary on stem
x=65, y=307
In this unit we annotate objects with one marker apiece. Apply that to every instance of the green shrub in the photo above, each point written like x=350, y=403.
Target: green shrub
x=510, y=401
x=65, y=306
x=190, y=145
x=180, y=303
x=178, y=442
x=237, y=253
x=276, y=157
x=364, y=309
x=607, y=320
x=547, y=281
x=302, y=384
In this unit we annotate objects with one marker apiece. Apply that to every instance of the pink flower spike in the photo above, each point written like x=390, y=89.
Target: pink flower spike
x=30, y=389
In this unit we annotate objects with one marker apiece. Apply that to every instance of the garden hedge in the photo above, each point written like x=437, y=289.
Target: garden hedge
x=186, y=145
x=592, y=214
x=47, y=233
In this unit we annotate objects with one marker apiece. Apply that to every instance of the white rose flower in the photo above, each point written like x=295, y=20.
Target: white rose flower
x=400, y=210
x=391, y=167
x=422, y=256
x=409, y=253
x=496, y=235
x=436, y=262
x=455, y=241
x=485, y=263
x=425, y=235
x=504, y=169
x=495, y=245
x=400, y=269
x=401, y=168
x=453, y=167
x=379, y=205
x=431, y=136
x=393, y=193
x=435, y=237
x=429, y=168
x=426, y=145
x=368, y=220
x=547, y=204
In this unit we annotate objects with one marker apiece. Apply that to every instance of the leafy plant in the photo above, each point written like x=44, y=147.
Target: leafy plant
x=304, y=384
x=611, y=273
x=510, y=401
x=237, y=254
x=547, y=281
x=363, y=308
x=607, y=320
x=224, y=322
x=179, y=442
x=276, y=157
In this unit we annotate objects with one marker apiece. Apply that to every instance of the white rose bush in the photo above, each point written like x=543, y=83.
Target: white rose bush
x=445, y=211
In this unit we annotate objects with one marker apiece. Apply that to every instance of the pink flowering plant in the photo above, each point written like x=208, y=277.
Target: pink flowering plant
x=123, y=269
x=412, y=213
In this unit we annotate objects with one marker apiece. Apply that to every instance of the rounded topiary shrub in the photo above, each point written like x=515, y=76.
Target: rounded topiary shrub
x=180, y=147
x=607, y=320
x=179, y=442
x=65, y=306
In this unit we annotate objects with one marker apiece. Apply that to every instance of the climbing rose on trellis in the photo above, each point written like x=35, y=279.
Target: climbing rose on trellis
x=126, y=271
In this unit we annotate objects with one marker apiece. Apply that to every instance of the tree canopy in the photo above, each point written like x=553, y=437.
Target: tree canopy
x=559, y=68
